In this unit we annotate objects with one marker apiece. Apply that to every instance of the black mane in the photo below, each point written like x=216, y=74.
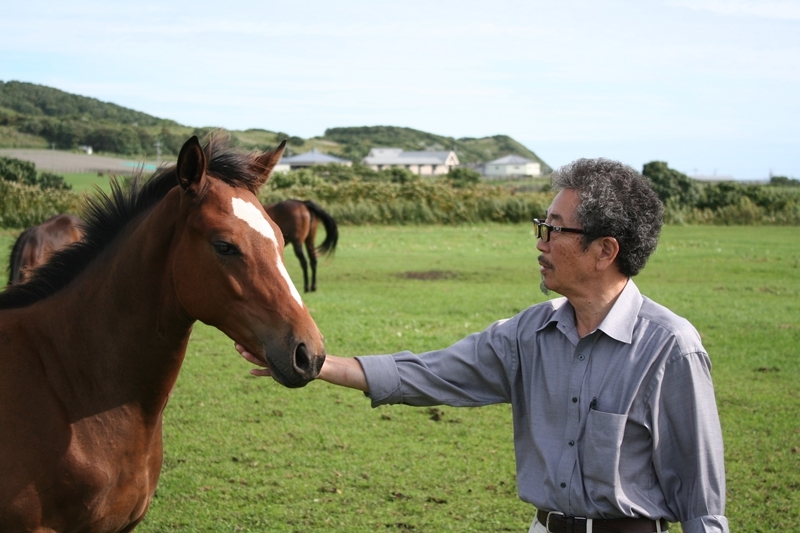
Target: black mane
x=107, y=215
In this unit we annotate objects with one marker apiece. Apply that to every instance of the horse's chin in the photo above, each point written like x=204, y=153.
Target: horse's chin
x=294, y=382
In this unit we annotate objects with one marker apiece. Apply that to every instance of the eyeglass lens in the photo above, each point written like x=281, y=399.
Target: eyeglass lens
x=542, y=231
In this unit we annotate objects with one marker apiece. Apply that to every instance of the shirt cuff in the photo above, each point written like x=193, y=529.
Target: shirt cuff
x=383, y=379
x=706, y=524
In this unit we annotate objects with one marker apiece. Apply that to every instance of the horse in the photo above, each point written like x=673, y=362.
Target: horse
x=298, y=221
x=36, y=244
x=92, y=344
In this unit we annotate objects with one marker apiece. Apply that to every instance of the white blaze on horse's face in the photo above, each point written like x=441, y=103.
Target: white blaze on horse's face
x=255, y=219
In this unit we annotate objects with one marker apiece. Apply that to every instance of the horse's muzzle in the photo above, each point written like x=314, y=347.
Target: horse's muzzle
x=305, y=367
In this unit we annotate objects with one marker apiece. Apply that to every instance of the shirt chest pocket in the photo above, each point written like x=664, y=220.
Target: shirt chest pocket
x=601, y=454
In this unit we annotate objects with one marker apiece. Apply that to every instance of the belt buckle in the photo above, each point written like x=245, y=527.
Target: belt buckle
x=547, y=522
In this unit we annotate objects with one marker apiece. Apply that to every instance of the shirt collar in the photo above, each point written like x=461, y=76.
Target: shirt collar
x=621, y=319
x=618, y=323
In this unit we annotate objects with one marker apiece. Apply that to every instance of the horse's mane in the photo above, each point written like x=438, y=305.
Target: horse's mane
x=107, y=215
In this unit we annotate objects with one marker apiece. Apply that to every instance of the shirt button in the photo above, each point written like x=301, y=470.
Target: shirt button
x=574, y=400
x=563, y=485
x=581, y=357
x=572, y=443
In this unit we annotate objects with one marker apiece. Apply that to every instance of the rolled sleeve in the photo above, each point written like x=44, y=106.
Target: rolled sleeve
x=706, y=524
x=383, y=379
x=472, y=372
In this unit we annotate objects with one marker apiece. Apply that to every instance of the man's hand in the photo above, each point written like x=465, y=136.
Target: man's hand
x=344, y=371
x=263, y=371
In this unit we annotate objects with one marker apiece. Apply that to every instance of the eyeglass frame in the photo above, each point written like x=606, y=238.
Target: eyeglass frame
x=538, y=224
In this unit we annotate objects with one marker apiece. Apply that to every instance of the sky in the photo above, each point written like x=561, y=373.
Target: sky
x=712, y=87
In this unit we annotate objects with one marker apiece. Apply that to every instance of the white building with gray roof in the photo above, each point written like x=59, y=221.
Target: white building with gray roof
x=422, y=163
x=512, y=166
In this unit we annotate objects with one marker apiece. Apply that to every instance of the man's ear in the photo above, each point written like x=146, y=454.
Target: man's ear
x=608, y=250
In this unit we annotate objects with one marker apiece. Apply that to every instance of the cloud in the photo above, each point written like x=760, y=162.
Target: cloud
x=767, y=9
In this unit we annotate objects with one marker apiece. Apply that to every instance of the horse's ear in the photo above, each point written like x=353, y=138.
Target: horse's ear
x=191, y=163
x=267, y=161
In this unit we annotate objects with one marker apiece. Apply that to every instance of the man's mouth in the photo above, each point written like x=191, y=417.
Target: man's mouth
x=544, y=263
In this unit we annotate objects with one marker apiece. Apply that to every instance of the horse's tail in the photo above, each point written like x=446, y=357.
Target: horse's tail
x=328, y=246
x=15, y=259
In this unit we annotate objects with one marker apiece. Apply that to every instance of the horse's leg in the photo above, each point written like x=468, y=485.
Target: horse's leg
x=312, y=253
x=298, y=251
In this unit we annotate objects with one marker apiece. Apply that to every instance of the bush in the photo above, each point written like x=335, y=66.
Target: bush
x=463, y=177
x=416, y=202
x=25, y=172
x=17, y=170
x=22, y=205
x=671, y=184
x=48, y=180
x=783, y=181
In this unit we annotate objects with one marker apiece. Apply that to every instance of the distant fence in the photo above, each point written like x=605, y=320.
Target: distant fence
x=98, y=171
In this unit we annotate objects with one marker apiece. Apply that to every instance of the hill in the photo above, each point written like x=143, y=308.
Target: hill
x=39, y=101
x=36, y=116
x=356, y=142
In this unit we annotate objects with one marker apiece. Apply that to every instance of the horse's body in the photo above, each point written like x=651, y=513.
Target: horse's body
x=298, y=221
x=36, y=244
x=91, y=346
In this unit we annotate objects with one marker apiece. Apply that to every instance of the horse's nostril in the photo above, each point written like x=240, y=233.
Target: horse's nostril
x=302, y=362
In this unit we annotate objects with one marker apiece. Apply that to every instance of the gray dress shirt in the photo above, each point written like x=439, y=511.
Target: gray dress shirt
x=620, y=423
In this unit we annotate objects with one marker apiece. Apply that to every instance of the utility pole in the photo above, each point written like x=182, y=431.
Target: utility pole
x=157, y=144
x=53, y=158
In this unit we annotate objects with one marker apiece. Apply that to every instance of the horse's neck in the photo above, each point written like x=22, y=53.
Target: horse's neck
x=126, y=334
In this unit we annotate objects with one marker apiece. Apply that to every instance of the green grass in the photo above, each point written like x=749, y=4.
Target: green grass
x=244, y=454
x=88, y=182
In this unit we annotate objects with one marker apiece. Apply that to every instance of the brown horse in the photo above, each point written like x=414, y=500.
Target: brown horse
x=36, y=244
x=91, y=345
x=298, y=221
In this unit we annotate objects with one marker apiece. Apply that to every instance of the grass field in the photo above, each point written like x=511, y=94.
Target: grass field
x=244, y=454
x=88, y=182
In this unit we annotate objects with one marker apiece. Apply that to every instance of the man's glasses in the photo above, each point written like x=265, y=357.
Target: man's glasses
x=543, y=229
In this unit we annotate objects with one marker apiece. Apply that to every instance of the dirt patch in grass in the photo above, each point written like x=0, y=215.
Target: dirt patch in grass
x=428, y=275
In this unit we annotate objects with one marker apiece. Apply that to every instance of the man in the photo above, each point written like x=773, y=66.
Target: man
x=615, y=422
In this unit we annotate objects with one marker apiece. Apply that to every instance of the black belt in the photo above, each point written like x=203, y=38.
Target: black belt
x=558, y=523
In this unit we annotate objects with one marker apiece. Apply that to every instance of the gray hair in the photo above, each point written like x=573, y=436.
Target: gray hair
x=616, y=201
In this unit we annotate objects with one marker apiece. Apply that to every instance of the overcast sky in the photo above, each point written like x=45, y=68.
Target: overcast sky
x=710, y=86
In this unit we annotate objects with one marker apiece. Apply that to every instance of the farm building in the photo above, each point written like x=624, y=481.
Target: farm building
x=309, y=159
x=511, y=166
x=422, y=163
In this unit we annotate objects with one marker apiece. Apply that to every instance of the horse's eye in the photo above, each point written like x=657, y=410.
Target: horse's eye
x=225, y=248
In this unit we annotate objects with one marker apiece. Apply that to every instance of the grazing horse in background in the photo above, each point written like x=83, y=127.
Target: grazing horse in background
x=91, y=346
x=36, y=244
x=298, y=221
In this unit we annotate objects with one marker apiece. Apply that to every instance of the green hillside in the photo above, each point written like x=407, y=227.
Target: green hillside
x=36, y=116
x=356, y=142
x=40, y=101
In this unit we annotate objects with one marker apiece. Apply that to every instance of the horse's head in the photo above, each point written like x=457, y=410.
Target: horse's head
x=228, y=267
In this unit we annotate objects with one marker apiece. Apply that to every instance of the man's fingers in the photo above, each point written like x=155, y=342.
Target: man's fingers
x=252, y=359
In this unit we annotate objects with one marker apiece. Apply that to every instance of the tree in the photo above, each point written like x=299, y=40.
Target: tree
x=670, y=184
x=783, y=181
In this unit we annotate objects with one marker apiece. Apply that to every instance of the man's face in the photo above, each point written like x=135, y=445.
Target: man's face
x=564, y=266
